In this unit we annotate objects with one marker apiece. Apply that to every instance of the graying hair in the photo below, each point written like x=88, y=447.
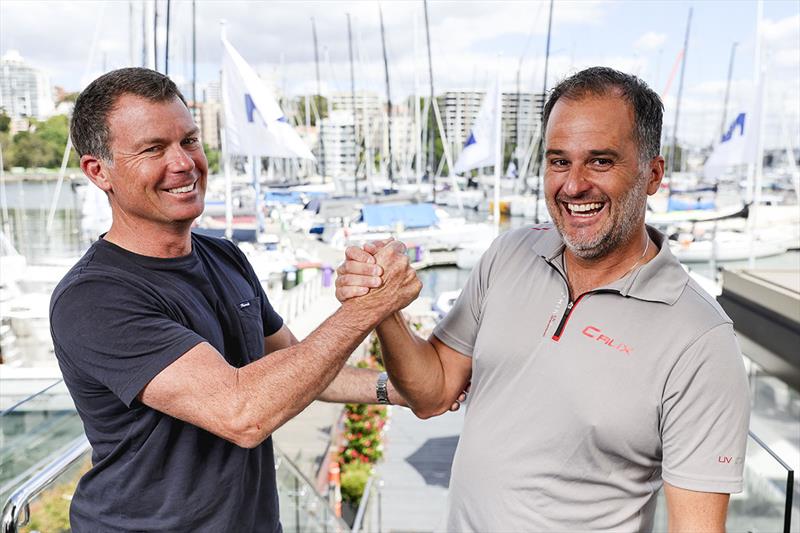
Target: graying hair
x=648, y=110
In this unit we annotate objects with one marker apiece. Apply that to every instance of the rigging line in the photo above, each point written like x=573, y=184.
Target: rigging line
x=65, y=159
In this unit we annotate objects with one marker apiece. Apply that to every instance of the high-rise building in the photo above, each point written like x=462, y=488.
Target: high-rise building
x=24, y=90
x=208, y=113
x=460, y=108
x=340, y=151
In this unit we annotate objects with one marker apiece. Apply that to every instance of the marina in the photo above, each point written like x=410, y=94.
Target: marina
x=404, y=120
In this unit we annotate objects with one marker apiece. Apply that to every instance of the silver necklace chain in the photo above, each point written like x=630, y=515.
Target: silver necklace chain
x=646, y=247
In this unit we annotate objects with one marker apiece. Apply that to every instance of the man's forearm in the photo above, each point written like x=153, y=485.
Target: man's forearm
x=276, y=388
x=414, y=366
x=357, y=385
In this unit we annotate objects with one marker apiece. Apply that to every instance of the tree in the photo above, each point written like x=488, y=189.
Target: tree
x=321, y=104
x=213, y=159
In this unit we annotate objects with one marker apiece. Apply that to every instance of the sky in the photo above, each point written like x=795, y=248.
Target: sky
x=471, y=42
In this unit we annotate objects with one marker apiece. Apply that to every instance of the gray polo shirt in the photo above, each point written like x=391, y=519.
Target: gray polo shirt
x=579, y=410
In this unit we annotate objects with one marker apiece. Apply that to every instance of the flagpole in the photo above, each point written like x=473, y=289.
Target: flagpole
x=226, y=160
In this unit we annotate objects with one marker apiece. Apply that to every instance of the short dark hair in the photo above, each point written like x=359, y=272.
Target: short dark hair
x=89, y=126
x=648, y=110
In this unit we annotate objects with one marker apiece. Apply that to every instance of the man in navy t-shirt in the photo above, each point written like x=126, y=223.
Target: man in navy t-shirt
x=162, y=334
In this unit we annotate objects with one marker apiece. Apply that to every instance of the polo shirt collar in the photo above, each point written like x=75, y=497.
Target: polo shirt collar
x=662, y=279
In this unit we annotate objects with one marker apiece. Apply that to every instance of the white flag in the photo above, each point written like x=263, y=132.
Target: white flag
x=254, y=122
x=481, y=146
x=739, y=144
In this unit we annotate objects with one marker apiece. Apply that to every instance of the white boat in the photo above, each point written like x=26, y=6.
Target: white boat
x=444, y=302
x=725, y=246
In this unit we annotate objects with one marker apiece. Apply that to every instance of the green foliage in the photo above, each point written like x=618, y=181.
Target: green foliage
x=213, y=157
x=41, y=145
x=321, y=104
x=5, y=122
x=354, y=479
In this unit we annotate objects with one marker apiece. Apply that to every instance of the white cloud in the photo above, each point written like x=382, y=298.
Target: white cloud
x=650, y=41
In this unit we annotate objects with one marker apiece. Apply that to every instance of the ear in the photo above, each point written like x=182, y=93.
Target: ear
x=656, y=170
x=95, y=169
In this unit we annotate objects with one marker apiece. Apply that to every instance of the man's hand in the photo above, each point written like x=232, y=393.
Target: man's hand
x=359, y=272
x=400, y=286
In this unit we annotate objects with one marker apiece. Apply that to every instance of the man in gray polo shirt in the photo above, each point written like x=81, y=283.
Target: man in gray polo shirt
x=599, y=369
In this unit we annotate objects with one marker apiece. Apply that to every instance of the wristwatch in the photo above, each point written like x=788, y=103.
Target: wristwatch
x=381, y=390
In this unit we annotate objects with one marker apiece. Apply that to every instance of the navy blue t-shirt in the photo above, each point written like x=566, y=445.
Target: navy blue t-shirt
x=117, y=320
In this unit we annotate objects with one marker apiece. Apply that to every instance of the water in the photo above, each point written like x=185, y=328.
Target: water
x=28, y=204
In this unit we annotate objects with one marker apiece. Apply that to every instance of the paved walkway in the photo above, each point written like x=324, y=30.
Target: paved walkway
x=416, y=470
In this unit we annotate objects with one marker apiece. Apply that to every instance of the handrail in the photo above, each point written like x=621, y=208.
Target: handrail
x=362, y=506
x=17, y=503
x=281, y=460
x=787, y=511
x=32, y=396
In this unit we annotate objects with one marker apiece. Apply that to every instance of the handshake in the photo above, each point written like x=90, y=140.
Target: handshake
x=379, y=274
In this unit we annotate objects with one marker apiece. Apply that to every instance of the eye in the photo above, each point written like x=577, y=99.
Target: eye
x=559, y=163
x=602, y=162
x=152, y=149
x=190, y=141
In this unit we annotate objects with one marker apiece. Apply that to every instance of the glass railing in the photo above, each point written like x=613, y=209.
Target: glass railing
x=44, y=453
x=32, y=430
x=769, y=500
x=303, y=510
x=368, y=515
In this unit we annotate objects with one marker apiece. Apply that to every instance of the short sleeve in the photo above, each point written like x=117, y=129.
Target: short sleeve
x=459, y=328
x=116, y=335
x=706, y=415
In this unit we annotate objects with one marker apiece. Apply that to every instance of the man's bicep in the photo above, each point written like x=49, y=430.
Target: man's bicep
x=457, y=368
x=693, y=511
x=198, y=388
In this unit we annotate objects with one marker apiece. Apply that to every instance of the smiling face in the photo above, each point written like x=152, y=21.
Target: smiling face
x=595, y=185
x=157, y=178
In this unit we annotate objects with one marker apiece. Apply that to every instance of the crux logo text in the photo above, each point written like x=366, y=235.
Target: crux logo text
x=597, y=334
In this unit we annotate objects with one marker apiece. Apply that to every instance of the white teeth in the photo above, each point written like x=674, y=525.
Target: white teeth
x=188, y=188
x=583, y=208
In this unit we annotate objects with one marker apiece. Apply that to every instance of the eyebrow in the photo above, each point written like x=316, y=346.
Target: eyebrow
x=605, y=151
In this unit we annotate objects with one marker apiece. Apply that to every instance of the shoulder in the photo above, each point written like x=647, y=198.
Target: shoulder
x=523, y=244
x=215, y=245
x=698, y=309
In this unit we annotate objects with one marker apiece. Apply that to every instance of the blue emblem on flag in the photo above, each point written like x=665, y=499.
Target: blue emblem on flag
x=250, y=107
x=470, y=140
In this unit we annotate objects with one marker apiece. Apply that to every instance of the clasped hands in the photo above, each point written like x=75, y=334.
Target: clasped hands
x=381, y=266
x=382, y=269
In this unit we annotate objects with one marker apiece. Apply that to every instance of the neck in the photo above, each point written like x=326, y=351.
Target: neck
x=174, y=241
x=584, y=275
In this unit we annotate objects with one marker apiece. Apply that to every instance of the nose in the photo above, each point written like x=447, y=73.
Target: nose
x=576, y=183
x=181, y=160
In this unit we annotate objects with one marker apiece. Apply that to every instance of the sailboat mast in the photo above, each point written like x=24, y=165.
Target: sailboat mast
x=388, y=99
x=194, y=56
x=540, y=143
x=155, y=34
x=144, y=36
x=166, y=46
x=429, y=166
x=319, y=98
x=678, y=103
x=353, y=104
x=728, y=88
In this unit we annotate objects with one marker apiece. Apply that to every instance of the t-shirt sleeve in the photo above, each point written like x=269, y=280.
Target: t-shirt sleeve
x=459, y=328
x=706, y=415
x=116, y=335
